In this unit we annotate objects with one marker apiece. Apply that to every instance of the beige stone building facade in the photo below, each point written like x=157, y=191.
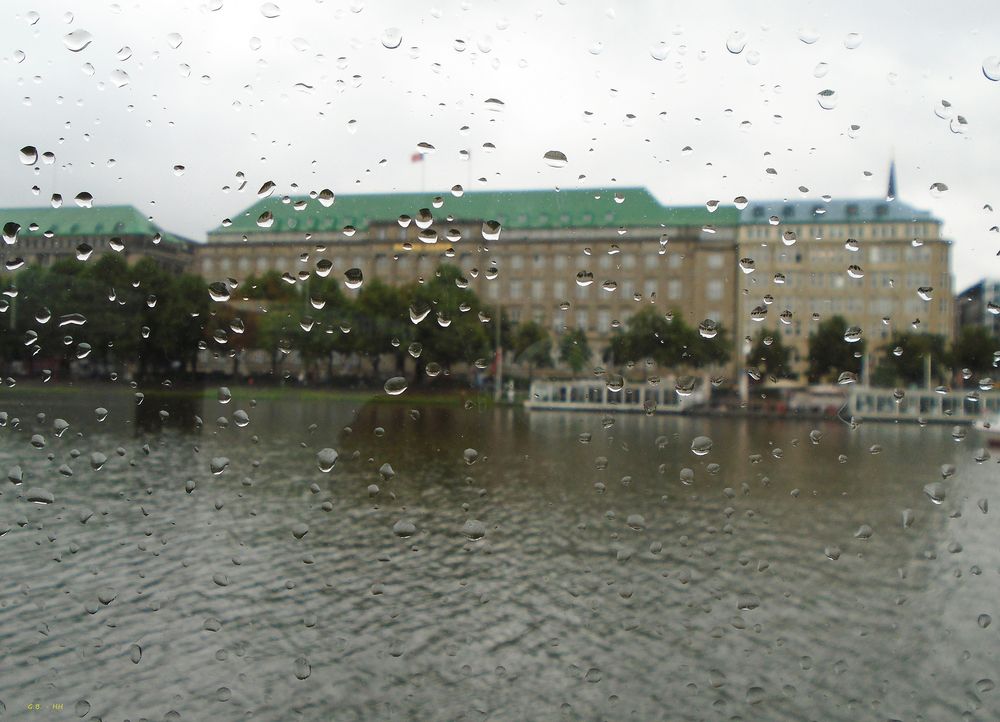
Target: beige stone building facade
x=589, y=259
x=567, y=260
x=882, y=265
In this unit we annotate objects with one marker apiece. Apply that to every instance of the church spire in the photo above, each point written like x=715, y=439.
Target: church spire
x=890, y=194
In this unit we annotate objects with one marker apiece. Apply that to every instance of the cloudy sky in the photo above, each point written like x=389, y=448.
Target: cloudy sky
x=305, y=93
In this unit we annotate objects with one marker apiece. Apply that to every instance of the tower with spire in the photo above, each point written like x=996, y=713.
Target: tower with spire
x=890, y=193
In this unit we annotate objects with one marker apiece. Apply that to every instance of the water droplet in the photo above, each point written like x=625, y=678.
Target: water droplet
x=736, y=41
x=491, y=232
x=396, y=385
x=938, y=189
x=659, y=51
x=853, y=41
x=471, y=456
x=404, y=528
x=756, y=695
x=847, y=377
x=935, y=492
x=77, y=40
x=326, y=459
x=302, y=668
x=106, y=595
x=808, y=35
x=701, y=445
x=555, y=158
x=39, y=496
x=82, y=708
x=218, y=464
x=991, y=67
x=984, y=620
x=474, y=529
x=219, y=291
x=353, y=278
x=584, y=278
x=270, y=10
x=593, y=675
x=28, y=155
x=852, y=334
x=827, y=99
x=84, y=200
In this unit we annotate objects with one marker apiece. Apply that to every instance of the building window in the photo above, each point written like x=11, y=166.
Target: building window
x=649, y=289
x=603, y=319
x=516, y=262
x=559, y=290
x=582, y=319
x=537, y=290
x=715, y=260
x=674, y=289
x=516, y=290
x=559, y=261
x=713, y=290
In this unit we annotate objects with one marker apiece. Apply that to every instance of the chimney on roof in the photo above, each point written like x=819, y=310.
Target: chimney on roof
x=890, y=194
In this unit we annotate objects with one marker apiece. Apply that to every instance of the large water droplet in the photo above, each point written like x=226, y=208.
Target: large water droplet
x=991, y=67
x=77, y=40
x=353, y=278
x=395, y=386
x=270, y=10
x=326, y=459
x=219, y=291
x=701, y=445
x=555, y=158
x=827, y=99
x=852, y=334
x=736, y=41
x=28, y=155
x=391, y=38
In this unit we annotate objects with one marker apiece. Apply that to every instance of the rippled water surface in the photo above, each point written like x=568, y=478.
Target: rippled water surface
x=567, y=573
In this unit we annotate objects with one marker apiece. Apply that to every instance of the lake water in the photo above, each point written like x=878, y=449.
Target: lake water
x=780, y=585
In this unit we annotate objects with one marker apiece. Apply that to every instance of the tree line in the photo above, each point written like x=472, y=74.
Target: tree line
x=110, y=314
x=902, y=360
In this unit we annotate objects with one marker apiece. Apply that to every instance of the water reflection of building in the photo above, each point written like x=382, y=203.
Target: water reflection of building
x=46, y=235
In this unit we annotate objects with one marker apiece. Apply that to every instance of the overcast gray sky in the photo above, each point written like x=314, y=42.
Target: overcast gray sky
x=313, y=97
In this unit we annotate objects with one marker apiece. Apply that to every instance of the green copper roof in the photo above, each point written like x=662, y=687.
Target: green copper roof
x=862, y=210
x=532, y=209
x=76, y=221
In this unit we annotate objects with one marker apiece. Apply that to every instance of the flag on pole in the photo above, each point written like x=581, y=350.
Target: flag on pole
x=416, y=157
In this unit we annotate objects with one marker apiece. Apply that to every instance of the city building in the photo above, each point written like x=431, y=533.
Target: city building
x=881, y=264
x=591, y=258
x=567, y=259
x=40, y=236
x=979, y=305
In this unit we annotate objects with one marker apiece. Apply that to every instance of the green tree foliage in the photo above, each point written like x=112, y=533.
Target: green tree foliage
x=452, y=330
x=574, y=351
x=270, y=286
x=380, y=315
x=829, y=354
x=124, y=314
x=532, y=346
x=903, y=358
x=975, y=349
x=770, y=358
x=668, y=341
